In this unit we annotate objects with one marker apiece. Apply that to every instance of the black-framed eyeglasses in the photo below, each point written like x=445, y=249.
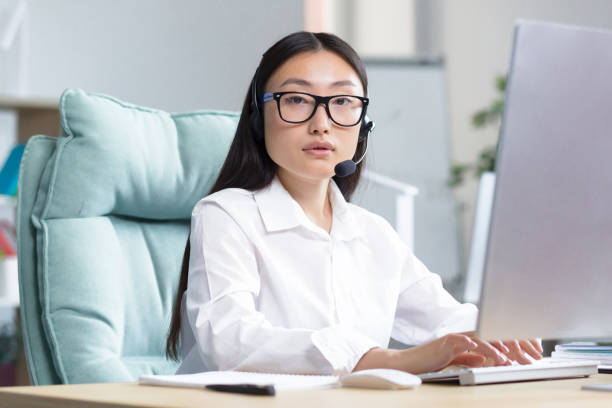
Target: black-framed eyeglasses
x=299, y=107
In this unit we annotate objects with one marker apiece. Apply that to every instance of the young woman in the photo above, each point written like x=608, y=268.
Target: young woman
x=281, y=273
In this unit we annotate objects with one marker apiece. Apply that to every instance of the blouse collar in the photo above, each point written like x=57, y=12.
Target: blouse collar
x=280, y=211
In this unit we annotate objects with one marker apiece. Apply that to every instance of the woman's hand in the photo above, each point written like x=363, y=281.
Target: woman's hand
x=521, y=351
x=452, y=349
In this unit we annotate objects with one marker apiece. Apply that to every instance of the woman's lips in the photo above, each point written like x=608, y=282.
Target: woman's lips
x=318, y=151
x=319, y=148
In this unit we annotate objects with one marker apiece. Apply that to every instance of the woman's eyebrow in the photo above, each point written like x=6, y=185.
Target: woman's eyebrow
x=303, y=82
x=296, y=81
x=345, y=82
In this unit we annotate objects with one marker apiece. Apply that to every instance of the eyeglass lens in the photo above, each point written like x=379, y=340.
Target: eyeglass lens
x=344, y=110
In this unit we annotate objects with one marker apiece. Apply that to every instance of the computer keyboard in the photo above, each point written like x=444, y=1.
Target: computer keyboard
x=539, y=370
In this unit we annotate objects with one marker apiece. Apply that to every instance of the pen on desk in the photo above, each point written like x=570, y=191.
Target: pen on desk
x=253, y=389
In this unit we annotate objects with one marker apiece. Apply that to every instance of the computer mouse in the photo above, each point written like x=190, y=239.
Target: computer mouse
x=383, y=378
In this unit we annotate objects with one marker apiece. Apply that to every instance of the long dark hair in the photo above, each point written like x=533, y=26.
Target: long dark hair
x=248, y=164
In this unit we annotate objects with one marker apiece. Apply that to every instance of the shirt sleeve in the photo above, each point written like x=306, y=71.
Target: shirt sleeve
x=425, y=310
x=231, y=334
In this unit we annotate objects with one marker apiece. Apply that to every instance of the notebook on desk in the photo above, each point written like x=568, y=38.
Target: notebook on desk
x=544, y=369
x=281, y=382
x=374, y=378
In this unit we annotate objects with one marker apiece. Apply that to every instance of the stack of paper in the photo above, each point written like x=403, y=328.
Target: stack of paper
x=601, y=352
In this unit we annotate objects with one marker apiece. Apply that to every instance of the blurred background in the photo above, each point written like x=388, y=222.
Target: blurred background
x=436, y=68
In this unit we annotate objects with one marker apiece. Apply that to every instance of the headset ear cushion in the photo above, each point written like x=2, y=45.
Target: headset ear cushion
x=365, y=129
x=256, y=126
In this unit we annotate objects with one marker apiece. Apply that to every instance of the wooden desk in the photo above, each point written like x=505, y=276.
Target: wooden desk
x=556, y=393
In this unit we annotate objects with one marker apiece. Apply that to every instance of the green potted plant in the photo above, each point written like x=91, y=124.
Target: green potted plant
x=486, y=158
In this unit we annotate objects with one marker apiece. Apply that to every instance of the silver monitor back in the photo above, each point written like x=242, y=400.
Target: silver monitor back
x=480, y=232
x=548, y=268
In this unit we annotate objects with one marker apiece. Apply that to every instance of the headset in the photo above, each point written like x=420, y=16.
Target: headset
x=256, y=117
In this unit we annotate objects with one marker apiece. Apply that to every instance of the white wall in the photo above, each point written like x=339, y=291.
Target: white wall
x=381, y=28
x=172, y=55
x=411, y=142
x=192, y=54
x=393, y=19
x=476, y=41
x=474, y=37
x=169, y=54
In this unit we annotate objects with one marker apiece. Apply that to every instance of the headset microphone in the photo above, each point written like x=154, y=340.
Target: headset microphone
x=348, y=167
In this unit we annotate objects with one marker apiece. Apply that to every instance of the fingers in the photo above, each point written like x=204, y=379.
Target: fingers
x=458, y=343
x=469, y=359
x=524, y=351
x=493, y=355
x=529, y=348
x=457, y=348
x=498, y=344
x=516, y=353
x=537, y=343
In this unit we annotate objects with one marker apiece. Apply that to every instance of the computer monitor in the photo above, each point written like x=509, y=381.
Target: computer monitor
x=548, y=263
x=480, y=232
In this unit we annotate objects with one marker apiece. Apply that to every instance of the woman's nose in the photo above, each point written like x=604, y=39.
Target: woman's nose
x=320, y=121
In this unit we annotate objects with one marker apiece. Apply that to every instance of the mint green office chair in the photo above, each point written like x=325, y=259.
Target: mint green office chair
x=103, y=217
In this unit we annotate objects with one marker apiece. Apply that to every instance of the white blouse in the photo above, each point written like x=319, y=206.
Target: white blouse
x=270, y=291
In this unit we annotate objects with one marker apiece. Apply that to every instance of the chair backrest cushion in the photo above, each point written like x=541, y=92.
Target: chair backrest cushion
x=111, y=219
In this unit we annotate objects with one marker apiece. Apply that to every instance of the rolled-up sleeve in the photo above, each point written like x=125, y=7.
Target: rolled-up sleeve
x=425, y=310
x=231, y=334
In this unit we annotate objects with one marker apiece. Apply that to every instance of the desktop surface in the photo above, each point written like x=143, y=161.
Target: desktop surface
x=557, y=393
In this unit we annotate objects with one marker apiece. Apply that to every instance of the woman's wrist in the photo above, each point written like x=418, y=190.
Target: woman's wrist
x=416, y=360
x=411, y=360
x=378, y=358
